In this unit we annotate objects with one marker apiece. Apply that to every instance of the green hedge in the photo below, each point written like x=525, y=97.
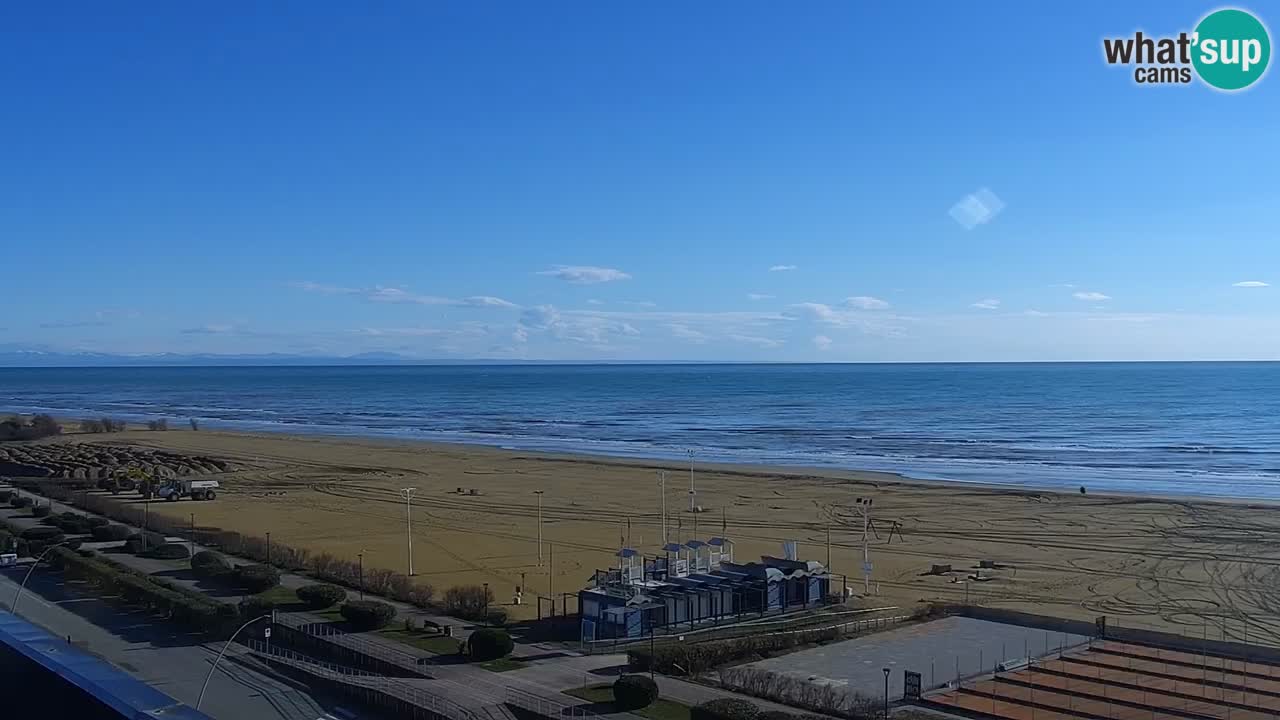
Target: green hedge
x=20, y=501
x=724, y=709
x=633, y=692
x=210, y=565
x=320, y=595
x=489, y=644
x=136, y=545
x=109, y=533
x=367, y=614
x=256, y=578
x=46, y=534
x=169, y=551
x=41, y=511
x=696, y=658
x=190, y=608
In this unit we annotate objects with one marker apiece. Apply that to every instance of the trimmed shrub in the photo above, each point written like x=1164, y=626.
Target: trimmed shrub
x=94, y=521
x=724, y=709
x=41, y=511
x=136, y=545
x=73, y=524
x=256, y=578
x=169, y=551
x=109, y=533
x=253, y=607
x=496, y=617
x=6, y=495
x=489, y=644
x=367, y=614
x=321, y=595
x=20, y=501
x=632, y=692
x=41, y=533
x=777, y=715
x=208, y=564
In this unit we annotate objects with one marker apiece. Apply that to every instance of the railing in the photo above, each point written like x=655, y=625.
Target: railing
x=755, y=627
x=353, y=642
x=397, y=689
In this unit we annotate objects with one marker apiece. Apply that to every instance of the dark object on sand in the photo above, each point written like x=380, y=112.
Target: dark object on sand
x=194, y=425
x=1082, y=490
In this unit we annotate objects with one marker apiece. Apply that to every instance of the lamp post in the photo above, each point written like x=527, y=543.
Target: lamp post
x=360, y=557
x=408, y=522
x=539, y=494
x=192, y=549
x=486, y=603
x=213, y=667
x=13, y=608
x=268, y=548
x=886, y=693
x=693, y=494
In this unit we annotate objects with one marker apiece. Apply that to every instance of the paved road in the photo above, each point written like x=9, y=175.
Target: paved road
x=151, y=651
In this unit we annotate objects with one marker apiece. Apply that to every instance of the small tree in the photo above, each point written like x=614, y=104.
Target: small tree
x=489, y=644
x=724, y=709
x=468, y=601
x=209, y=564
x=633, y=692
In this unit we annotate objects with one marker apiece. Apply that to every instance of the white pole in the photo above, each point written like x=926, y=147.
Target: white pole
x=408, y=523
x=662, y=483
x=539, y=494
x=18, y=594
x=205, y=686
x=866, y=550
x=693, y=494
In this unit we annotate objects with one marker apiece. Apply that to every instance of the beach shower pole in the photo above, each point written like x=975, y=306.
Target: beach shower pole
x=693, y=494
x=662, y=485
x=408, y=522
x=539, y=493
x=193, y=535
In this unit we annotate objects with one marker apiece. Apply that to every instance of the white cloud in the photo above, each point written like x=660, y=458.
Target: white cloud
x=488, y=301
x=782, y=268
x=640, y=303
x=1090, y=296
x=211, y=329
x=866, y=302
x=759, y=296
x=593, y=301
x=585, y=274
x=574, y=326
x=397, y=295
x=1063, y=285
x=987, y=304
x=1251, y=284
x=756, y=340
x=870, y=322
x=822, y=342
x=977, y=208
x=400, y=332
x=684, y=332
x=1035, y=313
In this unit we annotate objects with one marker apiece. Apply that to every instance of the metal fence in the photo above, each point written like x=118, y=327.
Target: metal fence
x=353, y=642
x=403, y=691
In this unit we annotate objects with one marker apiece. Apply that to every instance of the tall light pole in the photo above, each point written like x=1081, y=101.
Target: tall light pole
x=213, y=667
x=693, y=494
x=408, y=522
x=18, y=594
x=360, y=558
x=662, y=484
x=864, y=509
x=539, y=494
x=886, y=692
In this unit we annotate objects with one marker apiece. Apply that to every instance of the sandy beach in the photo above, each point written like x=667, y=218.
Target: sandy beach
x=1193, y=566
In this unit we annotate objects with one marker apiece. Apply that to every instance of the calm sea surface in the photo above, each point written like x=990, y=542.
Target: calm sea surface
x=1183, y=428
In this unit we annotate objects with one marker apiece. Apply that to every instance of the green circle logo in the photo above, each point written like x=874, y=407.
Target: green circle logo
x=1232, y=49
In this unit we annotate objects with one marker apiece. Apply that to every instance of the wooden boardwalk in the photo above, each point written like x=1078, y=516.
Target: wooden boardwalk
x=1121, y=681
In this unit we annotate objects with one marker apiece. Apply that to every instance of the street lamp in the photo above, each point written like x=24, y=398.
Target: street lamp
x=886, y=693
x=486, y=603
x=408, y=522
x=539, y=493
x=18, y=594
x=205, y=686
x=360, y=557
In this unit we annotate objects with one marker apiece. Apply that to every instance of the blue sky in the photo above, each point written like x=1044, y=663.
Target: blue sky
x=579, y=181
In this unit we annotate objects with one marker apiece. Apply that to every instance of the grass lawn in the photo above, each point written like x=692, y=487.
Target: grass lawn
x=437, y=644
x=284, y=598
x=503, y=665
x=659, y=710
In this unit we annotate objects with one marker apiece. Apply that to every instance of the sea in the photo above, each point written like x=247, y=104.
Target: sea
x=1192, y=429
